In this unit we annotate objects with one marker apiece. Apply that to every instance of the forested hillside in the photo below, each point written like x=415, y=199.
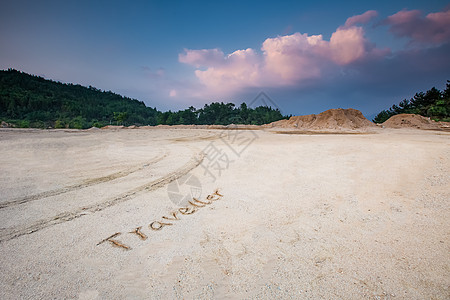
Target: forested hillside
x=32, y=101
x=433, y=103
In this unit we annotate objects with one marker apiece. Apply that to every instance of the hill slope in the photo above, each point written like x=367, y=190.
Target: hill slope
x=32, y=101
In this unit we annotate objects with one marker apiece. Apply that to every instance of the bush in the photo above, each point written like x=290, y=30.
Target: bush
x=60, y=124
x=23, y=124
x=78, y=123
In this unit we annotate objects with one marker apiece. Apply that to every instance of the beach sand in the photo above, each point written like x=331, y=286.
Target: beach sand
x=304, y=216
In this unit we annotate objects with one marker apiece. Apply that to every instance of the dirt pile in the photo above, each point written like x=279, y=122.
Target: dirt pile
x=93, y=129
x=332, y=119
x=112, y=127
x=6, y=125
x=411, y=121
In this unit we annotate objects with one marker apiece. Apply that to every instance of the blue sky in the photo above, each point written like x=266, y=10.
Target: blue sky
x=308, y=56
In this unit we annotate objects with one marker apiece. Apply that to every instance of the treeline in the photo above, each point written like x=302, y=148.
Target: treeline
x=32, y=101
x=433, y=103
x=221, y=114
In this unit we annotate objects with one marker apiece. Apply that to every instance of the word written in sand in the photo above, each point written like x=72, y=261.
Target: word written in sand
x=195, y=205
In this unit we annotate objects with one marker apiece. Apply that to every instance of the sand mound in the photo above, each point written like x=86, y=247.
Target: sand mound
x=411, y=121
x=334, y=119
x=162, y=126
x=217, y=127
x=112, y=127
x=93, y=129
x=6, y=125
x=174, y=127
x=243, y=127
x=444, y=125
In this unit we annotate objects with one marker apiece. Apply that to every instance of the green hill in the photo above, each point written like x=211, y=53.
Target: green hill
x=32, y=101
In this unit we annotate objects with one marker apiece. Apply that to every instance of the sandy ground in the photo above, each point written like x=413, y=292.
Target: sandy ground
x=361, y=216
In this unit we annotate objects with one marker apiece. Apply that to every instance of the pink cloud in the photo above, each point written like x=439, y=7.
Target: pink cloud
x=237, y=70
x=434, y=28
x=290, y=58
x=347, y=45
x=361, y=19
x=283, y=60
x=202, y=58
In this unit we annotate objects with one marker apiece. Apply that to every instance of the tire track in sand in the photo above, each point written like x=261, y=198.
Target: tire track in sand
x=14, y=232
x=78, y=186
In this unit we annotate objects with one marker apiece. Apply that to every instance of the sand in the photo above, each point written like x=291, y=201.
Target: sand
x=332, y=119
x=331, y=216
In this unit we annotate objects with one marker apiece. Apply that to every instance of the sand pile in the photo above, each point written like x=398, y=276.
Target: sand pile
x=444, y=125
x=411, y=121
x=243, y=126
x=6, y=125
x=112, y=127
x=334, y=119
x=92, y=129
x=217, y=127
x=188, y=126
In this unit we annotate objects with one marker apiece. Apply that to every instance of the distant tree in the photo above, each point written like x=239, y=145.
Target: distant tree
x=78, y=122
x=382, y=116
x=243, y=113
x=120, y=117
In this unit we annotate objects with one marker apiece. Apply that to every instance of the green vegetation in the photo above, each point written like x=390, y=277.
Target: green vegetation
x=221, y=114
x=434, y=104
x=32, y=101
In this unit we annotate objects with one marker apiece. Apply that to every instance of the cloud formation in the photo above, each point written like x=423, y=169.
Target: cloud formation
x=299, y=58
x=361, y=19
x=434, y=28
x=283, y=60
x=201, y=58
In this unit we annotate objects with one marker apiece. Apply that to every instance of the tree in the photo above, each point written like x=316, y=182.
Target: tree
x=382, y=116
x=120, y=117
